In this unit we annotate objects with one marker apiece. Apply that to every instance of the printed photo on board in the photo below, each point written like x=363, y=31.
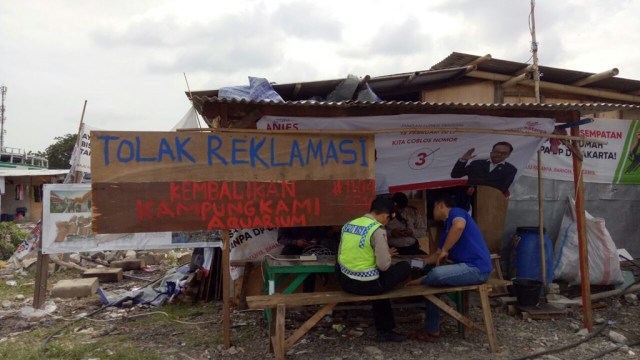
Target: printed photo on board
x=185, y=237
x=70, y=202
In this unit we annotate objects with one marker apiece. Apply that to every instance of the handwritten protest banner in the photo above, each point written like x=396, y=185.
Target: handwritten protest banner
x=154, y=181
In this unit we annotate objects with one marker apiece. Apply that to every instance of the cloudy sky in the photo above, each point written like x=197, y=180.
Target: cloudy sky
x=127, y=58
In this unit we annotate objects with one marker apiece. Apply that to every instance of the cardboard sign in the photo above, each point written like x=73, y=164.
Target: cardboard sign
x=149, y=182
x=182, y=156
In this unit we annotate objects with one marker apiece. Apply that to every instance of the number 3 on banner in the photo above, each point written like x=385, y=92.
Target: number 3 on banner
x=421, y=158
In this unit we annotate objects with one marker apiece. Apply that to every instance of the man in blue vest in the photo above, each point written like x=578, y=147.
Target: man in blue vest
x=364, y=264
x=462, y=258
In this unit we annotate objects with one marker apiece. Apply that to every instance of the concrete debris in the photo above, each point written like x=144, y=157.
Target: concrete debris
x=32, y=314
x=75, y=288
x=583, y=332
x=631, y=298
x=374, y=352
x=104, y=275
x=128, y=264
x=6, y=304
x=617, y=337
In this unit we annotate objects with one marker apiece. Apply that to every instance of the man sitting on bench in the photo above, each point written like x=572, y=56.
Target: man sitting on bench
x=461, y=244
x=364, y=264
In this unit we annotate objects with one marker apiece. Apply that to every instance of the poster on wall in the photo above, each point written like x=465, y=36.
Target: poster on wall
x=252, y=244
x=617, y=162
x=415, y=159
x=67, y=227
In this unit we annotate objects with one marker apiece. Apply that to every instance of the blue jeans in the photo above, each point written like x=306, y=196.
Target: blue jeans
x=448, y=275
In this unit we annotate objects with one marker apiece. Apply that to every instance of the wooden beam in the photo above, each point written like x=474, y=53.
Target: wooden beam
x=605, y=94
x=42, y=272
x=480, y=60
x=453, y=313
x=226, y=283
x=278, y=338
x=596, y=77
x=585, y=282
x=307, y=325
x=515, y=80
x=488, y=319
x=488, y=76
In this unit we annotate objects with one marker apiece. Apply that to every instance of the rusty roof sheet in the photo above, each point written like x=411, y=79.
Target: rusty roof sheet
x=382, y=85
x=550, y=74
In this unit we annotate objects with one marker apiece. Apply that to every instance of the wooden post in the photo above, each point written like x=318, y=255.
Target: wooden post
x=582, y=235
x=543, y=260
x=42, y=272
x=226, y=284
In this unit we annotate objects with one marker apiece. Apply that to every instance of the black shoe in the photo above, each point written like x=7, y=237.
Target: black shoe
x=390, y=336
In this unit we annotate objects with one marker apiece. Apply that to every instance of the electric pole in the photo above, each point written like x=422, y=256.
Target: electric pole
x=3, y=90
x=534, y=52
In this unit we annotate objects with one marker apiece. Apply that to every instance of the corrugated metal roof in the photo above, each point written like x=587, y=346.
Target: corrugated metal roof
x=34, y=172
x=584, y=108
x=550, y=74
x=383, y=86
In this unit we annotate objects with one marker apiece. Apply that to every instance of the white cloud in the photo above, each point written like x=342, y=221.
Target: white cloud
x=127, y=57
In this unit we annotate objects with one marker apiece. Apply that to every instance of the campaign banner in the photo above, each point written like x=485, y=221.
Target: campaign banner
x=415, y=159
x=617, y=162
x=81, y=156
x=252, y=244
x=67, y=227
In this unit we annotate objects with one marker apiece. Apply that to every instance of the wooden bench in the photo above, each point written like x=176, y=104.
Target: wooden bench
x=330, y=299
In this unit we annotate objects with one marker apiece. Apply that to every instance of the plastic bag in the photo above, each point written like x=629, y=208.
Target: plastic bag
x=604, y=264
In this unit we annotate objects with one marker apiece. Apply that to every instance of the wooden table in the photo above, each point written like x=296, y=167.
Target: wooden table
x=278, y=268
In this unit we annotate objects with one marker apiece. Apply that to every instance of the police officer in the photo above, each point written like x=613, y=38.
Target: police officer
x=364, y=264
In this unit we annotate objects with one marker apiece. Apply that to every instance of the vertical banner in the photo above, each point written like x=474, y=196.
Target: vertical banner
x=617, y=162
x=161, y=181
x=82, y=150
x=416, y=159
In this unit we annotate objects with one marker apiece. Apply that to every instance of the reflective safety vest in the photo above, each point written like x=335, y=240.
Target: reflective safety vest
x=357, y=258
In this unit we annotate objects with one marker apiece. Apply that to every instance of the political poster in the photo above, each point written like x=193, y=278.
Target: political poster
x=67, y=227
x=81, y=156
x=422, y=159
x=252, y=244
x=616, y=162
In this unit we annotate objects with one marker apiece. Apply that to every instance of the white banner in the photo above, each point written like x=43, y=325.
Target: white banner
x=414, y=160
x=82, y=153
x=617, y=162
x=252, y=244
x=66, y=227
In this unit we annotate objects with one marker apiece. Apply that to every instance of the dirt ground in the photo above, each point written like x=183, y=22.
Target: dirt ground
x=194, y=331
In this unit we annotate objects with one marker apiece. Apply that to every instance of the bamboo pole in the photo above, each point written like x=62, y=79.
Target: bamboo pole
x=534, y=52
x=480, y=60
x=408, y=131
x=605, y=94
x=543, y=260
x=585, y=282
x=515, y=80
x=597, y=77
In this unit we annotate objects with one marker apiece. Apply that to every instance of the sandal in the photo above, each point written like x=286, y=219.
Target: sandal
x=424, y=336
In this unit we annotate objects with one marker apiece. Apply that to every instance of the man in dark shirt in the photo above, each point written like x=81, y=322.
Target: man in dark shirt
x=495, y=171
